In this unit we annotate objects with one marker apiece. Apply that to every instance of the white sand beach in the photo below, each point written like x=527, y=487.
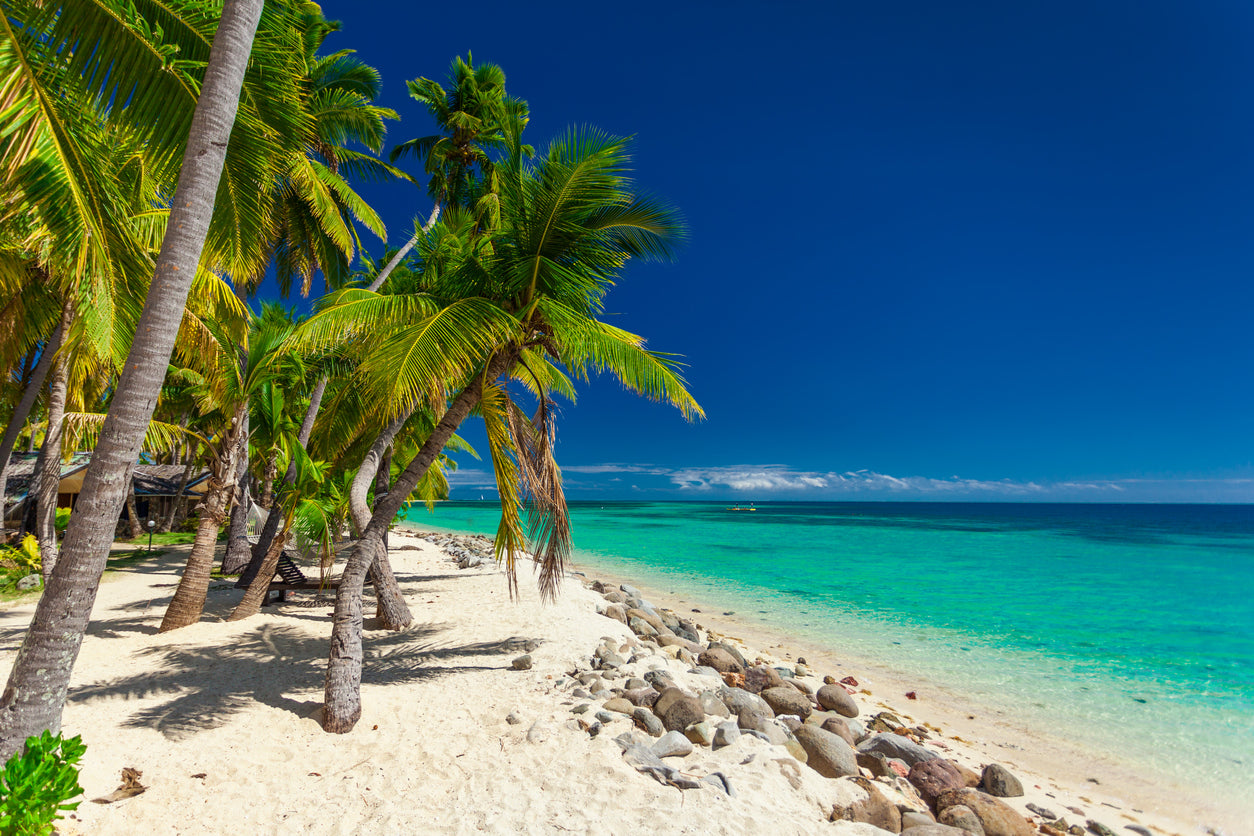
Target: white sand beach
x=222, y=720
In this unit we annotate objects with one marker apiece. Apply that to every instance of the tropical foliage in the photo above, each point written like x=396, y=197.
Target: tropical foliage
x=491, y=309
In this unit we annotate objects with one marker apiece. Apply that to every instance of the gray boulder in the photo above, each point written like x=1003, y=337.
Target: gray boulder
x=786, y=700
x=895, y=746
x=641, y=627
x=738, y=699
x=732, y=651
x=836, y=698
x=673, y=744
x=998, y=781
x=755, y=718
x=911, y=818
x=522, y=663
x=726, y=734
x=648, y=722
x=934, y=830
x=826, y=753
x=29, y=582
x=712, y=705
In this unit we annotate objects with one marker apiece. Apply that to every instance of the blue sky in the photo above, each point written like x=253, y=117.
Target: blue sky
x=936, y=251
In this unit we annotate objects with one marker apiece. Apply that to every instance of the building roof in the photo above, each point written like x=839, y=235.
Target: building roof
x=149, y=479
x=163, y=480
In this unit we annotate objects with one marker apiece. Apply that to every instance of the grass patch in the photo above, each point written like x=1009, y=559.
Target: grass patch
x=170, y=538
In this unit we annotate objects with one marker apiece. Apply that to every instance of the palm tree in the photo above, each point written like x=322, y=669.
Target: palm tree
x=38, y=682
x=528, y=298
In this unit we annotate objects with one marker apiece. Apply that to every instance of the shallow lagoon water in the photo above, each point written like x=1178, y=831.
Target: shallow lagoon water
x=1128, y=628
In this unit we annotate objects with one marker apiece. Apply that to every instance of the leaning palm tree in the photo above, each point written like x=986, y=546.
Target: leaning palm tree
x=39, y=680
x=522, y=301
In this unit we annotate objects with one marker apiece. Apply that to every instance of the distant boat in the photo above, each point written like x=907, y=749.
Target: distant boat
x=748, y=507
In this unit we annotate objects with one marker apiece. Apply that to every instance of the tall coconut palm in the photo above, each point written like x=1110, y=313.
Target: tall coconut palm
x=569, y=224
x=38, y=682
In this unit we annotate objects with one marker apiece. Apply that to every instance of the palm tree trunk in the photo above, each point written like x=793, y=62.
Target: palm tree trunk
x=132, y=512
x=47, y=476
x=238, y=549
x=404, y=251
x=180, y=501
x=188, y=603
x=35, y=694
x=390, y=607
x=250, y=604
x=189, y=599
x=342, y=691
x=22, y=411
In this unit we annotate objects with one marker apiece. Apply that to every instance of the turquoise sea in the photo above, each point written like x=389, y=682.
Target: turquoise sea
x=1127, y=628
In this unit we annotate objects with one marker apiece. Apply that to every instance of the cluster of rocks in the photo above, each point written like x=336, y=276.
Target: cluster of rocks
x=682, y=688
x=468, y=551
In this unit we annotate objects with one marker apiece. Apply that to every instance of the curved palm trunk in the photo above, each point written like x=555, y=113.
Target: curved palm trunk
x=404, y=251
x=23, y=409
x=342, y=691
x=180, y=501
x=47, y=476
x=35, y=694
x=390, y=607
x=188, y=602
x=251, y=603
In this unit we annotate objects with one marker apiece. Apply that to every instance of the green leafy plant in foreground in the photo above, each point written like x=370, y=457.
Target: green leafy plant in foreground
x=36, y=784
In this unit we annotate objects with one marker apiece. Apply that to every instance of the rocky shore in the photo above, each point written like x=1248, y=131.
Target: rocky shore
x=691, y=708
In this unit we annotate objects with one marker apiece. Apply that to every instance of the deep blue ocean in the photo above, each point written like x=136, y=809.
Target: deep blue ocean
x=1128, y=628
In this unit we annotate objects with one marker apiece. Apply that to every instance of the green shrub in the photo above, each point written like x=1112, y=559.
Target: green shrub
x=24, y=557
x=36, y=784
x=63, y=520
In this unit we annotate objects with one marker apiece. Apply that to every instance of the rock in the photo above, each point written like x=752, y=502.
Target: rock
x=640, y=627
x=522, y=663
x=895, y=746
x=582, y=708
x=911, y=818
x=650, y=618
x=800, y=669
x=705, y=670
x=720, y=660
x=688, y=630
x=604, y=717
x=732, y=650
x=835, y=698
x=875, y=763
x=609, y=659
x=616, y=612
x=759, y=678
x=872, y=808
x=28, y=583
x=786, y=700
x=712, y=705
x=1043, y=812
x=680, y=641
x=801, y=685
x=1137, y=828
x=970, y=778
x=700, y=734
x=840, y=728
x=961, y=816
x=755, y=718
x=795, y=748
x=789, y=721
x=934, y=830
x=934, y=777
x=826, y=753
x=885, y=722
x=661, y=680
x=678, y=710
x=738, y=699
x=630, y=591
x=996, y=817
x=620, y=705
x=1098, y=828
x=998, y=781
x=643, y=696
x=513, y=718
x=673, y=744
x=726, y=734
x=648, y=722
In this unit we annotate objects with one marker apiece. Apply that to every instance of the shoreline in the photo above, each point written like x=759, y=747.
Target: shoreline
x=1060, y=765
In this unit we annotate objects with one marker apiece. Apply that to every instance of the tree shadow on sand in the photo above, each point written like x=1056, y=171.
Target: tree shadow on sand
x=201, y=688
